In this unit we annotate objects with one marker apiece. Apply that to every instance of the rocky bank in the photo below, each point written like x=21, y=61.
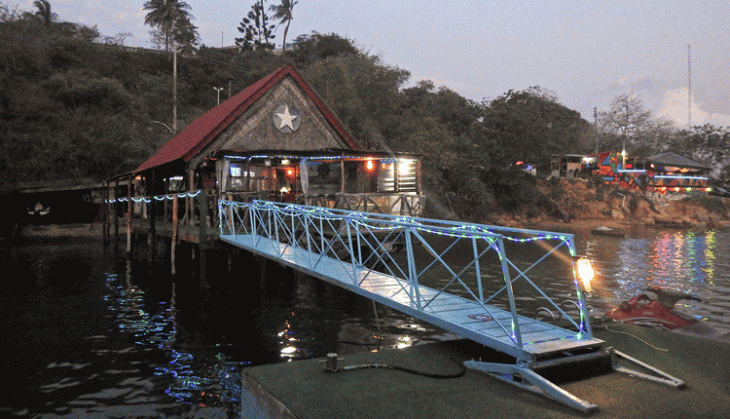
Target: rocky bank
x=580, y=201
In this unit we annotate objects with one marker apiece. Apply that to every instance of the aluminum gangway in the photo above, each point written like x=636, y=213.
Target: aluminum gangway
x=460, y=277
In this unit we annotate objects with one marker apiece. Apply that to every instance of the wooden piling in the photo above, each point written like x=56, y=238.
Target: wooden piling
x=173, y=242
x=130, y=209
x=203, y=235
x=116, y=211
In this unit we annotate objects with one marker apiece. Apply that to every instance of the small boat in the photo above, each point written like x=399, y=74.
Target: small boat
x=654, y=308
x=609, y=231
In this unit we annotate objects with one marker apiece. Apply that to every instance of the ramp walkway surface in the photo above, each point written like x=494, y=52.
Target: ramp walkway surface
x=359, y=252
x=453, y=313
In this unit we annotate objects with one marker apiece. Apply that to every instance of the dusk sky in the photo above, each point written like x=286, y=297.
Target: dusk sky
x=586, y=52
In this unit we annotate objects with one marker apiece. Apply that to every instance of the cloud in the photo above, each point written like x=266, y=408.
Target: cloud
x=674, y=107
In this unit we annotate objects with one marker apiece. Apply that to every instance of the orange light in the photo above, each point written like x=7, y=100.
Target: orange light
x=290, y=172
x=585, y=273
x=370, y=165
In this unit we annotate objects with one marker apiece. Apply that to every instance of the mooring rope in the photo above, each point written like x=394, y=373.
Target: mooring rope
x=635, y=337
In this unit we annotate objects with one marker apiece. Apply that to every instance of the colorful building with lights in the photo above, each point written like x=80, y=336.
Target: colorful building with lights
x=660, y=173
x=278, y=140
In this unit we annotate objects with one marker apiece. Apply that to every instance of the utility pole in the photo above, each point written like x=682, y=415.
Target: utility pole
x=689, y=88
x=174, y=88
x=595, y=127
x=218, y=89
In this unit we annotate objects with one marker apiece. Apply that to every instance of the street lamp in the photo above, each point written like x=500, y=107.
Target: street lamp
x=218, y=89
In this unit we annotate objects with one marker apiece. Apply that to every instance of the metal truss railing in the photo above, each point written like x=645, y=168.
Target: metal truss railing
x=403, y=247
x=437, y=257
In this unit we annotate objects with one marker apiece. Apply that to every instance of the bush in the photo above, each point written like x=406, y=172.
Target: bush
x=513, y=188
x=710, y=203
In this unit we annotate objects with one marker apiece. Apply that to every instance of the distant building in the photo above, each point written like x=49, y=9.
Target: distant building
x=660, y=173
x=566, y=165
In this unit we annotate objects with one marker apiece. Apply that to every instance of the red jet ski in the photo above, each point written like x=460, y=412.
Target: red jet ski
x=654, y=308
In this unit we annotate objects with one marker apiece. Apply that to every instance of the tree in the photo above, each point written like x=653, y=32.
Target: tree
x=306, y=49
x=8, y=15
x=44, y=12
x=362, y=91
x=707, y=144
x=165, y=14
x=118, y=39
x=256, y=30
x=627, y=118
x=530, y=125
x=183, y=33
x=283, y=12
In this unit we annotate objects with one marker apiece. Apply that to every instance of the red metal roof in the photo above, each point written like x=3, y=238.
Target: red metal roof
x=190, y=141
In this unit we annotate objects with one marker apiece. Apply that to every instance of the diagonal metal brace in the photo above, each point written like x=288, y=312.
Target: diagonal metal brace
x=522, y=376
x=527, y=379
x=661, y=377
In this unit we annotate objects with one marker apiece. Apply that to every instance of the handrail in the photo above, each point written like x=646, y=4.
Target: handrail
x=363, y=243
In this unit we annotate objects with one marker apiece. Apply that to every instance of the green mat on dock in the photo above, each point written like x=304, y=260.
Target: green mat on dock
x=302, y=388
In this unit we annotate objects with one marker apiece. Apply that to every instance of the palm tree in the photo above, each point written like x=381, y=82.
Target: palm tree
x=283, y=12
x=44, y=11
x=164, y=14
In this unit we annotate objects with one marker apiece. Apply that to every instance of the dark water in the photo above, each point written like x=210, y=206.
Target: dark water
x=89, y=334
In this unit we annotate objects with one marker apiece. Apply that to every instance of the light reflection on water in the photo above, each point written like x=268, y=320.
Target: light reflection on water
x=118, y=339
x=697, y=263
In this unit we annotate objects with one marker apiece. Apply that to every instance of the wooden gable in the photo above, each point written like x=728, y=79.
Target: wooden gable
x=304, y=127
x=246, y=122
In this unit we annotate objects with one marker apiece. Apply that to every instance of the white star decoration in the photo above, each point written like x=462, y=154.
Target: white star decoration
x=286, y=119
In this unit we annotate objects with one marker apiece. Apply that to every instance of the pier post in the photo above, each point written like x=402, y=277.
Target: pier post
x=173, y=241
x=152, y=214
x=105, y=213
x=116, y=211
x=130, y=209
x=203, y=235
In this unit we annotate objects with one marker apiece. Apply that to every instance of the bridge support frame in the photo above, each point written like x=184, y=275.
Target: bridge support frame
x=522, y=375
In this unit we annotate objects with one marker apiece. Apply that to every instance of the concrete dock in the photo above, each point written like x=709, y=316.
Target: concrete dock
x=301, y=389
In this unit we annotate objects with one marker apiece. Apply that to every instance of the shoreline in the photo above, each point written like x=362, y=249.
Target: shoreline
x=590, y=224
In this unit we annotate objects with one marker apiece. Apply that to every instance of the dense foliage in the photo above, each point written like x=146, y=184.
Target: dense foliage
x=74, y=106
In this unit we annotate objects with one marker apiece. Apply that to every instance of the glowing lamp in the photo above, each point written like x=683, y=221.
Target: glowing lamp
x=585, y=272
x=370, y=165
